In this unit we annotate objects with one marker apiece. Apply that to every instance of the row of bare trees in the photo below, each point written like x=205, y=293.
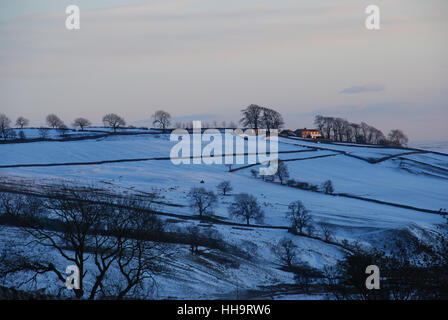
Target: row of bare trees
x=161, y=119
x=5, y=124
x=246, y=207
x=108, y=240
x=338, y=129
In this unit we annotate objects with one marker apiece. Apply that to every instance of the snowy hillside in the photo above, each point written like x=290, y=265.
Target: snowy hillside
x=379, y=193
x=437, y=146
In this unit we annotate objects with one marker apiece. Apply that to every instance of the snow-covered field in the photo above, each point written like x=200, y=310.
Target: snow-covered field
x=437, y=146
x=418, y=180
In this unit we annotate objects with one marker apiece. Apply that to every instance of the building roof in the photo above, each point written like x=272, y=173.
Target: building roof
x=305, y=129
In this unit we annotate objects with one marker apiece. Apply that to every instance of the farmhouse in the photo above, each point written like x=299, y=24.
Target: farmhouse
x=308, y=133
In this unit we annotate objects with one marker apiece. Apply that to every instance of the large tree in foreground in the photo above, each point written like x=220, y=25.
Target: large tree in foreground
x=113, y=121
x=246, y=207
x=83, y=225
x=161, y=119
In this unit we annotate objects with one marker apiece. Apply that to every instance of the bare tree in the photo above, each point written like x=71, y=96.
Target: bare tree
x=319, y=123
x=282, y=172
x=271, y=119
x=285, y=251
x=161, y=119
x=77, y=219
x=202, y=200
x=372, y=134
x=377, y=137
x=85, y=224
x=5, y=125
x=329, y=124
x=138, y=259
x=113, y=121
x=246, y=207
x=338, y=126
x=365, y=129
x=338, y=129
x=325, y=125
x=327, y=234
x=81, y=123
x=327, y=187
x=22, y=122
x=299, y=216
x=193, y=237
x=224, y=187
x=398, y=138
x=266, y=118
x=206, y=237
x=54, y=121
x=348, y=131
x=12, y=205
x=252, y=116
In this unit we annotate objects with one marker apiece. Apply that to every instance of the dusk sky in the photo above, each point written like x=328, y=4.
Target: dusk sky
x=208, y=59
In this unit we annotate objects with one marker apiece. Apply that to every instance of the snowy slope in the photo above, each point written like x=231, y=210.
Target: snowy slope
x=397, y=180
